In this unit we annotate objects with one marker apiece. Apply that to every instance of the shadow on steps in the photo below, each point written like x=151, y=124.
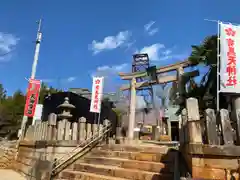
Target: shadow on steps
x=164, y=173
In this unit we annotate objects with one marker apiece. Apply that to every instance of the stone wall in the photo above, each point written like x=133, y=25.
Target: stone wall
x=7, y=157
x=35, y=158
x=213, y=162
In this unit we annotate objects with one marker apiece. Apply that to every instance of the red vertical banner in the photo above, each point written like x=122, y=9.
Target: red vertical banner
x=32, y=97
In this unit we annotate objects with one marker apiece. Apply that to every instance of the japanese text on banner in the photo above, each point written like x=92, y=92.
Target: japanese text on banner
x=230, y=58
x=32, y=97
x=97, y=90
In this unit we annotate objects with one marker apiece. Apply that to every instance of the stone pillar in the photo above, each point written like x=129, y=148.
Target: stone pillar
x=100, y=129
x=106, y=123
x=82, y=129
x=236, y=106
x=89, y=130
x=75, y=130
x=95, y=129
x=52, y=122
x=132, y=110
x=193, y=117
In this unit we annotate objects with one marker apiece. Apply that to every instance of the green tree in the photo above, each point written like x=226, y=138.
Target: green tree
x=14, y=107
x=206, y=54
x=45, y=90
x=2, y=93
x=11, y=111
x=206, y=91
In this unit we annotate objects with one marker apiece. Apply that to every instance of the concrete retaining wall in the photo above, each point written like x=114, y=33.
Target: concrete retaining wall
x=35, y=157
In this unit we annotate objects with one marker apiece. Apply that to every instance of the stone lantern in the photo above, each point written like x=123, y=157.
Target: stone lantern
x=64, y=118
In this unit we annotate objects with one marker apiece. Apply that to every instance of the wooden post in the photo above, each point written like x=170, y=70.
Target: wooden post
x=132, y=110
x=211, y=127
x=82, y=129
x=226, y=127
x=194, y=125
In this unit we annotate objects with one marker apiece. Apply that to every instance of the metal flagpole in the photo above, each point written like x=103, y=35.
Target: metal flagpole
x=98, y=123
x=99, y=114
x=218, y=64
x=33, y=73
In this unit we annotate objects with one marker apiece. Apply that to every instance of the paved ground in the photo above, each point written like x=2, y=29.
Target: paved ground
x=7, y=174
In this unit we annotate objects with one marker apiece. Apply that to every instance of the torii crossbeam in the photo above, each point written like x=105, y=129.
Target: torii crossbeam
x=179, y=67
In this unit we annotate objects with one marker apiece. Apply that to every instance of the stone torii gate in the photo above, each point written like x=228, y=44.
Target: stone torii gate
x=179, y=67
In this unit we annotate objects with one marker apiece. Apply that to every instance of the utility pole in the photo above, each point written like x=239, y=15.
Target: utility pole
x=36, y=54
x=33, y=73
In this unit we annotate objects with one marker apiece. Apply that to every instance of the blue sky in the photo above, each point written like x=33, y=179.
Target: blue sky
x=82, y=38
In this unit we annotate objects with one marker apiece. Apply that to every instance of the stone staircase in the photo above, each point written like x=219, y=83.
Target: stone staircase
x=122, y=162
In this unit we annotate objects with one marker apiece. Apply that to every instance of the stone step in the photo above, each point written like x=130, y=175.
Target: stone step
x=131, y=164
x=137, y=148
x=140, y=156
x=76, y=175
x=119, y=172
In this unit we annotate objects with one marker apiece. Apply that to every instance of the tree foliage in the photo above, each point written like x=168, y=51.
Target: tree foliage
x=206, y=91
x=12, y=108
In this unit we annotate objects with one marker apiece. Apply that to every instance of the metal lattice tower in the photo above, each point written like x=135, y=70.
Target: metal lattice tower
x=141, y=63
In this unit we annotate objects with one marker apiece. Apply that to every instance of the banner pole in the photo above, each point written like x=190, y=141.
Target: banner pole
x=98, y=123
x=218, y=64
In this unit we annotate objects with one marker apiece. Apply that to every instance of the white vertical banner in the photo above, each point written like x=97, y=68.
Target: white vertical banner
x=229, y=58
x=38, y=113
x=97, y=93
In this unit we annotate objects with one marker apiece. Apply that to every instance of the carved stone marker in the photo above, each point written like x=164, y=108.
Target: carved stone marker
x=226, y=127
x=82, y=129
x=194, y=125
x=211, y=125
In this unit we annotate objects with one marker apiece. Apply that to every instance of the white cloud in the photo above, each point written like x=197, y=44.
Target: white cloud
x=167, y=52
x=158, y=52
x=110, y=42
x=7, y=44
x=172, y=56
x=148, y=28
x=71, y=79
x=153, y=51
x=110, y=74
x=149, y=25
x=153, y=31
x=110, y=70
